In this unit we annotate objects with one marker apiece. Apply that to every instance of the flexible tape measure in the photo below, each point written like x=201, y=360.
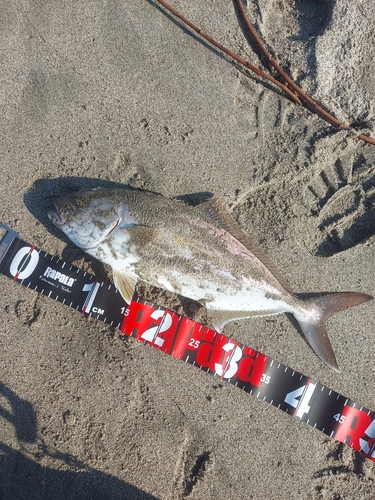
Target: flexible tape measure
x=311, y=402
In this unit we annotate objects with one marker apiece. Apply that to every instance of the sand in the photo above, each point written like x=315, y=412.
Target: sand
x=119, y=92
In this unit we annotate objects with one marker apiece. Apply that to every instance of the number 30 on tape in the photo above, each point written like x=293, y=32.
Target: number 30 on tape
x=229, y=360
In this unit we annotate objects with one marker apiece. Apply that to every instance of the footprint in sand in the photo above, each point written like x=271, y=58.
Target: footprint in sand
x=342, y=198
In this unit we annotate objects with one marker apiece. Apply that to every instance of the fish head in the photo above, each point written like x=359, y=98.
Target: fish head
x=89, y=217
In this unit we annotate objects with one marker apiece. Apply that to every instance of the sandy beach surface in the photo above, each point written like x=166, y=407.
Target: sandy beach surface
x=99, y=93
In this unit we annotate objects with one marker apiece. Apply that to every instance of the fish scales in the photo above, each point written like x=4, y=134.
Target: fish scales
x=209, y=259
x=197, y=252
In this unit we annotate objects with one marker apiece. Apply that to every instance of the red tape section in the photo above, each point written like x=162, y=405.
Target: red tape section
x=266, y=379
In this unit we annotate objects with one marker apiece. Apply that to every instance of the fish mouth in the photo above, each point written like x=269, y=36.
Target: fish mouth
x=58, y=217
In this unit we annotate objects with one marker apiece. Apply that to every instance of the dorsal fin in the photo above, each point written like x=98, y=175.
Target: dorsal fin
x=216, y=211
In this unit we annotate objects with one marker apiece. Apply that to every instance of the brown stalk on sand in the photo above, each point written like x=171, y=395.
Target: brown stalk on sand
x=296, y=94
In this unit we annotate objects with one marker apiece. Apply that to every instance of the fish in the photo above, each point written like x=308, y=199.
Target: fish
x=197, y=252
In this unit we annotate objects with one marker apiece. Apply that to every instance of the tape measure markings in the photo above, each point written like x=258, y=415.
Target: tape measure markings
x=224, y=358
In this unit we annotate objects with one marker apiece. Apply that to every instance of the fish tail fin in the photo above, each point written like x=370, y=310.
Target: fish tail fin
x=321, y=308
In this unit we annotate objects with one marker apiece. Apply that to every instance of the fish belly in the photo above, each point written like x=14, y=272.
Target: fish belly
x=246, y=296
x=202, y=263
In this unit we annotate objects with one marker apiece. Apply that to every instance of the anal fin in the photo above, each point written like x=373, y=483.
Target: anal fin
x=220, y=318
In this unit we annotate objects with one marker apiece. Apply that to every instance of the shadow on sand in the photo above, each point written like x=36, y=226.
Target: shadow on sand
x=22, y=477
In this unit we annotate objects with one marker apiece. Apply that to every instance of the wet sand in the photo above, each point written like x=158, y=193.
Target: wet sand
x=120, y=92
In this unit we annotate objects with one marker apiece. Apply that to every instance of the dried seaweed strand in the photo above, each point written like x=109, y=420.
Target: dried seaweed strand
x=322, y=112
x=282, y=73
x=234, y=56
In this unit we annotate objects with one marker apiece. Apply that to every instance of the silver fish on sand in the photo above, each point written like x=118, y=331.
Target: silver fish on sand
x=197, y=252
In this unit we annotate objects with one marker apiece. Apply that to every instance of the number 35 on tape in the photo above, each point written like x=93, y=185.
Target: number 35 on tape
x=273, y=382
x=266, y=379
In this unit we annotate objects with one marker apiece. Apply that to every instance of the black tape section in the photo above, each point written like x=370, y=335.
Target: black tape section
x=266, y=379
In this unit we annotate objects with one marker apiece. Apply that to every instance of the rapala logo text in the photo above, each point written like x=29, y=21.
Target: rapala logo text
x=57, y=276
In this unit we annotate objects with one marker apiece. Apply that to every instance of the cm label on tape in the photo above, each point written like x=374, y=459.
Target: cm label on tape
x=257, y=374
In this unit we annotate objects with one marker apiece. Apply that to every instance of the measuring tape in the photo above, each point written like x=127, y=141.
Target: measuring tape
x=311, y=402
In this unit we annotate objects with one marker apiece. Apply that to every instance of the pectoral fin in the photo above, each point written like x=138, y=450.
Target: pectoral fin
x=125, y=283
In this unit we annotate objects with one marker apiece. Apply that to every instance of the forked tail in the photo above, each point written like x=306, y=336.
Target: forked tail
x=320, y=309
